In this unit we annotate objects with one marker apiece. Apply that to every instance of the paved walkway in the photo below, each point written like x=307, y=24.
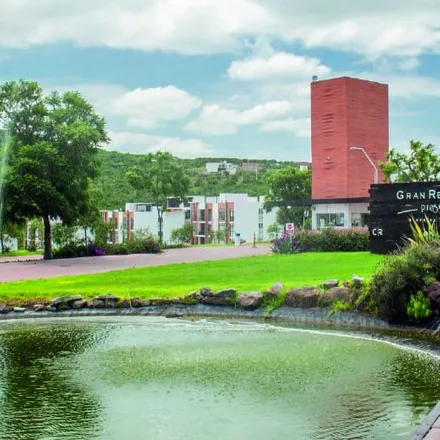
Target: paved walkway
x=38, y=268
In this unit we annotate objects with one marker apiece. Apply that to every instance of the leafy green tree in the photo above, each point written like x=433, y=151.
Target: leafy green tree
x=91, y=217
x=55, y=142
x=183, y=234
x=285, y=187
x=421, y=164
x=273, y=229
x=159, y=177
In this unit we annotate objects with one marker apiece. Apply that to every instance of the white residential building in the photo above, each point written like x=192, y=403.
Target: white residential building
x=231, y=213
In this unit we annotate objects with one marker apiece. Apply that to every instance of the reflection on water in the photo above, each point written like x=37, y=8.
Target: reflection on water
x=147, y=378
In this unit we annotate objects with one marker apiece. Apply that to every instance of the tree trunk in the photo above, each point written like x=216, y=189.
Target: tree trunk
x=2, y=241
x=85, y=235
x=160, y=219
x=47, y=239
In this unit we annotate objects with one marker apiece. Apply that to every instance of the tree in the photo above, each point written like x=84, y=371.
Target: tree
x=55, y=142
x=183, y=234
x=159, y=177
x=91, y=217
x=285, y=187
x=422, y=164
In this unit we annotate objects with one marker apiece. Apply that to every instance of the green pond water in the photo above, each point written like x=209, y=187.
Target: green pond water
x=162, y=379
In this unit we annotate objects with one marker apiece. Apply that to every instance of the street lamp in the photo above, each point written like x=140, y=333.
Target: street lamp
x=376, y=171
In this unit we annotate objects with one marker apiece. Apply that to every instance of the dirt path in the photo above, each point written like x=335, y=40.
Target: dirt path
x=38, y=268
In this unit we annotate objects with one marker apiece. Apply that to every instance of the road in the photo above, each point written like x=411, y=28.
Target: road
x=37, y=268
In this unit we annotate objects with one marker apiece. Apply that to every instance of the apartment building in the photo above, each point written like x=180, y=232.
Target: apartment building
x=230, y=214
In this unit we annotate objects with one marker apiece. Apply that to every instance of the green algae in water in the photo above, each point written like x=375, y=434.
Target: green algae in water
x=162, y=379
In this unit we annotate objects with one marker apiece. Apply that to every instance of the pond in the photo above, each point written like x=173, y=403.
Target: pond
x=163, y=379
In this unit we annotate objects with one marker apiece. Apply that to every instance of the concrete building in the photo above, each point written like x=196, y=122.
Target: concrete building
x=346, y=113
x=230, y=213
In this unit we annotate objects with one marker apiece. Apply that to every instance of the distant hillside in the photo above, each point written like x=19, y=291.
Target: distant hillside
x=117, y=191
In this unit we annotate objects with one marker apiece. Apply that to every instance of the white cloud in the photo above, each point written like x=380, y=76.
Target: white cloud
x=146, y=108
x=373, y=28
x=215, y=119
x=300, y=127
x=140, y=143
x=277, y=66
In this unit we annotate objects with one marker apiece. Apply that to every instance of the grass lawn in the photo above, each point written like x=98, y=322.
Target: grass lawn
x=251, y=273
x=20, y=253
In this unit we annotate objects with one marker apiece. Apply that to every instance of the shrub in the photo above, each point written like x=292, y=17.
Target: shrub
x=327, y=240
x=419, y=306
x=333, y=240
x=401, y=275
x=71, y=250
x=284, y=245
x=183, y=234
x=134, y=246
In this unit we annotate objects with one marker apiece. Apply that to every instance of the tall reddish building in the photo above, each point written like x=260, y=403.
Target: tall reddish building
x=346, y=112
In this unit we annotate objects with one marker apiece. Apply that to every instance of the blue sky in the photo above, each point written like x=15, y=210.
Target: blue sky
x=229, y=78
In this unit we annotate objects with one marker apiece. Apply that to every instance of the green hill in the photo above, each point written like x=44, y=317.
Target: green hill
x=117, y=191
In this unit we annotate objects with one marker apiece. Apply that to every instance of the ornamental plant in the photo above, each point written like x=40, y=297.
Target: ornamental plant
x=419, y=306
x=284, y=245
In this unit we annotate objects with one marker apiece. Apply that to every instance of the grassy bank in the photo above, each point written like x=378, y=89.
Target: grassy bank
x=252, y=273
x=20, y=253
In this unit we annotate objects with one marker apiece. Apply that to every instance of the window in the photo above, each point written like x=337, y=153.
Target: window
x=188, y=215
x=330, y=220
x=202, y=215
x=209, y=215
x=202, y=229
x=231, y=227
x=221, y=214
x=359, y=220
x=231, y=215
x=143, y=208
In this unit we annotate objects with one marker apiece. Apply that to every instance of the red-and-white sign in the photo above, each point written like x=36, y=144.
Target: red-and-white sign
x=290, y=227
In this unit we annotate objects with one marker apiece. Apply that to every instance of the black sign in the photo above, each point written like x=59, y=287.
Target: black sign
x=391, y=208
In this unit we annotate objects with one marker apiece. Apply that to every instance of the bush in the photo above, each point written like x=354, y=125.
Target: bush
x=183, y=234
x=134, y=246
x=333, y=240
x=327, y=240
x=283, y=245
x=401, y=275
x=419, y=306
x=71, y=250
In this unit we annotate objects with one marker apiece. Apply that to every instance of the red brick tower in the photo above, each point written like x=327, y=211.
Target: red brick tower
x=347, y=112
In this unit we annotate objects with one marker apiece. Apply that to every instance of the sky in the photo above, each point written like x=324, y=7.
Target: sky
x=225, y=78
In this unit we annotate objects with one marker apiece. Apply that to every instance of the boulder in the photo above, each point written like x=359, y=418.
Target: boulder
x=192, y=298
x=4, y=308
x=434, y=293
x=303, y=297
x=330, y=284
x=124, y=304
x=357, y=281
x=275, y=290
x=250, y=300
x=19, y=309
x=65, y=300
x=136, y=302
x=336, y=293
x=39, y=308
x=205, y=291
x=51, y=309
x=220, y=298
x=78, y=304
x=146, y=303
x=95, y=304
